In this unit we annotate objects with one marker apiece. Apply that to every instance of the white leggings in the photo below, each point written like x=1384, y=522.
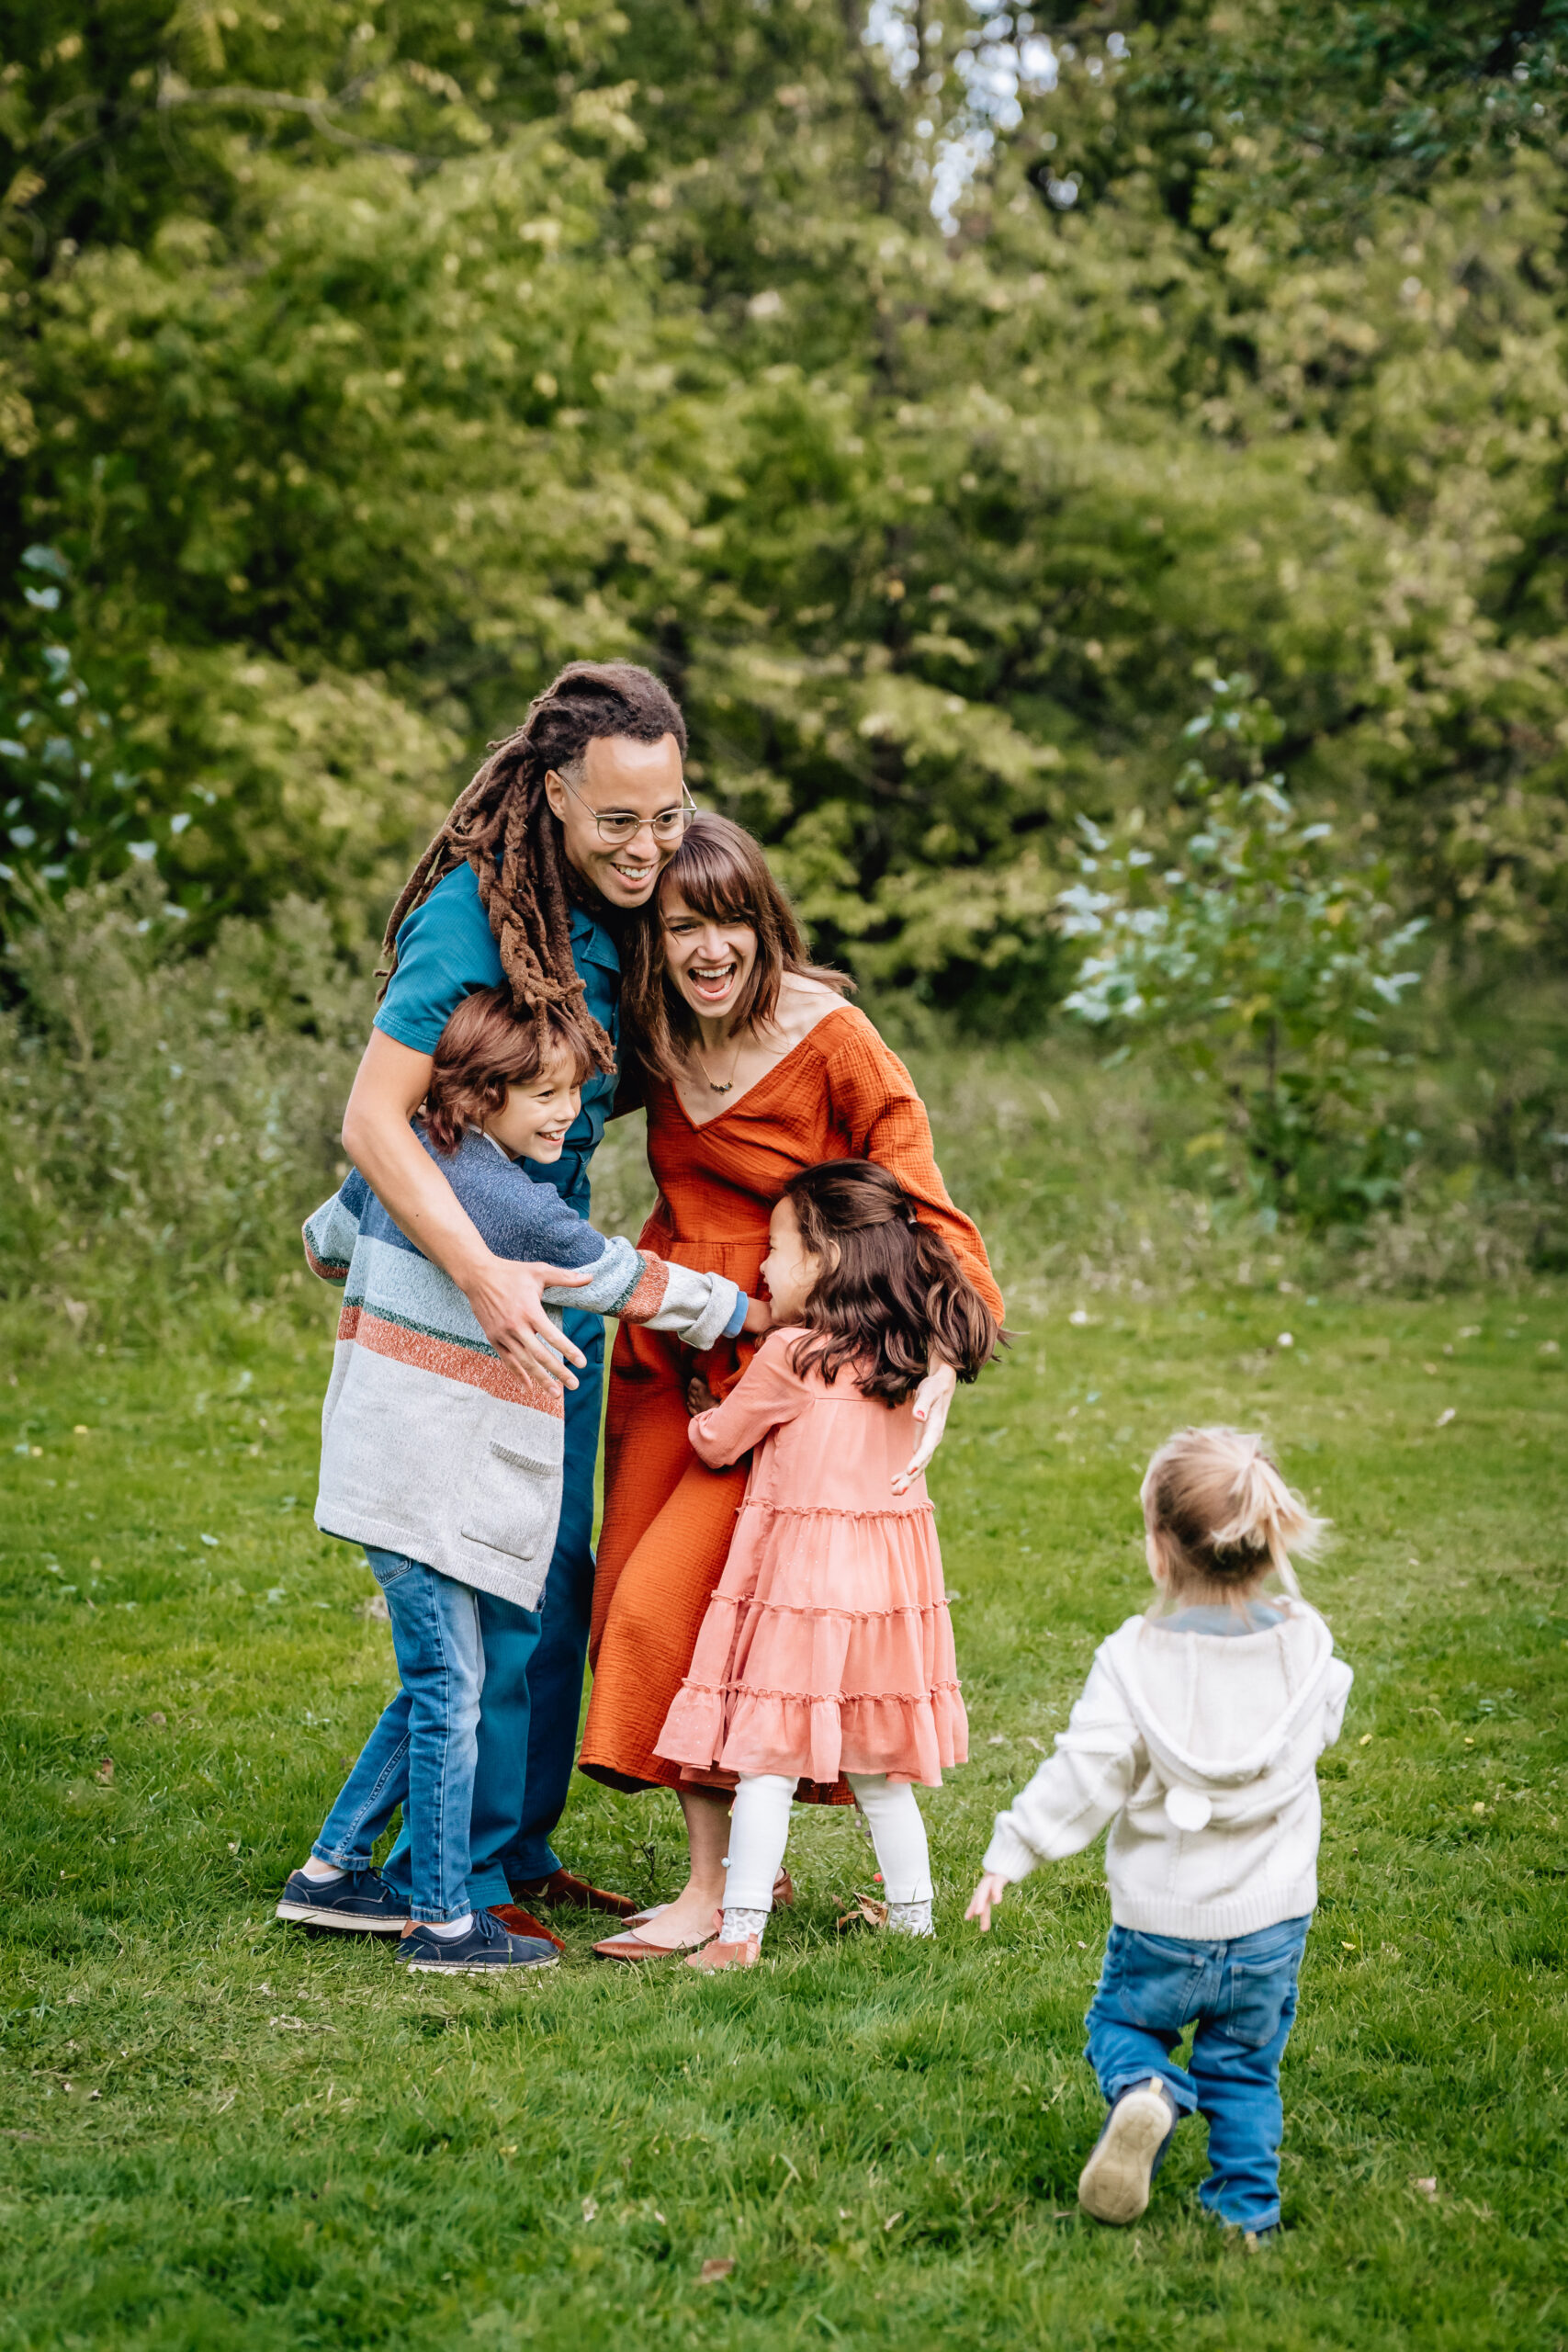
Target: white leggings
x=758, y=1832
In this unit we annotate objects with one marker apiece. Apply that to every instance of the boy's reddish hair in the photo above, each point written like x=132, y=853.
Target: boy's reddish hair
x=485, y=1048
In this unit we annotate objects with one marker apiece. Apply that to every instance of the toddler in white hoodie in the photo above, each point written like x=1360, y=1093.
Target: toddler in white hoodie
x=1197, y=1737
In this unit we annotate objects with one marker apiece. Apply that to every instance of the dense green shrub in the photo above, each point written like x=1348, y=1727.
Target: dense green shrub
x=168, y=1118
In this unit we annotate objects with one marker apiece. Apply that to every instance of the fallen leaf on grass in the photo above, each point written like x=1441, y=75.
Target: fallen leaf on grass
x=590, y=2208
x=105, y=1773
x=1445, y=1418
x=1427, y=2188
x=865, y=1911
x=716, y=2267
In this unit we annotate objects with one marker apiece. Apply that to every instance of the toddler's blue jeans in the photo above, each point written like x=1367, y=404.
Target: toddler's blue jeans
x=1241, y=1994
x=421, y=1755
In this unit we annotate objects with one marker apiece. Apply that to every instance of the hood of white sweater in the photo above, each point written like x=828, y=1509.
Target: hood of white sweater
x=1223, y=1719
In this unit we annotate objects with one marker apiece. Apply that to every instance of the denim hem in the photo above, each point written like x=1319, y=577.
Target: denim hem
x=1183, y=2097
x=523, y=1872
x=425, y=1915
x=1240, y=2221
x=488, y=1890
x=340, y=1861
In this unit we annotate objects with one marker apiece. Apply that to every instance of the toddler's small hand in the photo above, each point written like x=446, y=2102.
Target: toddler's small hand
x=991, y=1889
x=700, y=1398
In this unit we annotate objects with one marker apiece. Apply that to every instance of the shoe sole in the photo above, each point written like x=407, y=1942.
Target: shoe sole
x=307, y=1915
x=477, y=1967
x=1114, y=2184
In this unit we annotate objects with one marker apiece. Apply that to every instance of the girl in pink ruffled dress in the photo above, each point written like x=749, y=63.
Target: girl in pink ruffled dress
x=826, y=1649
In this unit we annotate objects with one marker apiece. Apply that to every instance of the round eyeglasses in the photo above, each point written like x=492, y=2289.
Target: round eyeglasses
x=619, y=826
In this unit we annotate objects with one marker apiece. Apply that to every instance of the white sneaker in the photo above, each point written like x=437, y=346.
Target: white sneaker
x=1114, y=2184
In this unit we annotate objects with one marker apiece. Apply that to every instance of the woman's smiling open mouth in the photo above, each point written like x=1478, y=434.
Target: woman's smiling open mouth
x=713, y=982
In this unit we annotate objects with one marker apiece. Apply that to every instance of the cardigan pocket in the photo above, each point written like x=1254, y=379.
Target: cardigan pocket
x=515, y=1502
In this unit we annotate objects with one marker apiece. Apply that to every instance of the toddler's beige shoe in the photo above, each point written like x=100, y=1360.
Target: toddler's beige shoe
x=1114, y=2184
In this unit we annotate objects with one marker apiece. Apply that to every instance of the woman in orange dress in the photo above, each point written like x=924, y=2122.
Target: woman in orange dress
x=754, y=1069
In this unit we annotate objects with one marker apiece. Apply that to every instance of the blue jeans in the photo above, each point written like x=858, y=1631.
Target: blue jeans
x=421, y=1755
x=555, y=1669
x=1241, y=1993
x=534, y=1666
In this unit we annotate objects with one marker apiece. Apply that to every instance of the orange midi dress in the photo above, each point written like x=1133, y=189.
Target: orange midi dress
x=827, y=1646
x=669, y=1521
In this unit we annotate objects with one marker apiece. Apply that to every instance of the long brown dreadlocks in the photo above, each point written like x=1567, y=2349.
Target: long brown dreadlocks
x=503, y=826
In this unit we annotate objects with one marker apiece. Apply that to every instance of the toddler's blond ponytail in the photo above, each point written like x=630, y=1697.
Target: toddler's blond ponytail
x=1216, y=1503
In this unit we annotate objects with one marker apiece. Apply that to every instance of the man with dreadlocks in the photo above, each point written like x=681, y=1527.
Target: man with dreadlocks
x=565, y=829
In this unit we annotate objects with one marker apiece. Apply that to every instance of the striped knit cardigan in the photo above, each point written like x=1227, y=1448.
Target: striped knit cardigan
x=432, y=1445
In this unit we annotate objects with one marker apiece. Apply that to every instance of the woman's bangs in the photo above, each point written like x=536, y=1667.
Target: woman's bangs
x=713, y=883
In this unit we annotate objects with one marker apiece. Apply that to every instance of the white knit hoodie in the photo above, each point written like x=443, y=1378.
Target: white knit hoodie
x=1204, y=1747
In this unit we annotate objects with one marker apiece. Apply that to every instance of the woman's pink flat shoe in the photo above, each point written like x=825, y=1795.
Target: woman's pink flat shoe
x=634, y=1949
x=715, y=1956
x=783, y=1895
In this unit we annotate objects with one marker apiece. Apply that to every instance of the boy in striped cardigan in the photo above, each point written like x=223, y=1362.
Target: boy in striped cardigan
x=447, y=1465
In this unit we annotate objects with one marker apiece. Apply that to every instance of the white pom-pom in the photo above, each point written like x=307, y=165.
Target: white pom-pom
x=1188, y=1808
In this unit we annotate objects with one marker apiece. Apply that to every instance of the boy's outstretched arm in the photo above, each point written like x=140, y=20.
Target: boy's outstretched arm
x=991, y=1889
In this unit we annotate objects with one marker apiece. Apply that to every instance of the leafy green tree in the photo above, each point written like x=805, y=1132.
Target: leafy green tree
x=926, y=395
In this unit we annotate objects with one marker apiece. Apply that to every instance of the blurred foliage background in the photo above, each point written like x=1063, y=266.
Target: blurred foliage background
x=1011, y=433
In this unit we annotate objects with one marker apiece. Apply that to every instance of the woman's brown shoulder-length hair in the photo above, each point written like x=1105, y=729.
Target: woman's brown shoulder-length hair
x=720, y=872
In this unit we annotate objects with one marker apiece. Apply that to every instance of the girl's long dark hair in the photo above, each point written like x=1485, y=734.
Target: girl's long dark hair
x=891, y=1293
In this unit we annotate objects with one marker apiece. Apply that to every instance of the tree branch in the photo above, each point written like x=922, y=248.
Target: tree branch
x=173, y=92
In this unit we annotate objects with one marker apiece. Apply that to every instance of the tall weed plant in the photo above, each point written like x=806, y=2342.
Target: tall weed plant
x=169, y=1118
x=1263, y=954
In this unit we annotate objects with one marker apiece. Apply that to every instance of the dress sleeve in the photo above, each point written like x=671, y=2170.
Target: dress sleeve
x=768, y=1393
x=875, y=1100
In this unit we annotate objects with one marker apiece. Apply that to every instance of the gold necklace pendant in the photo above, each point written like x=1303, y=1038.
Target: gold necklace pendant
x=714, y=1086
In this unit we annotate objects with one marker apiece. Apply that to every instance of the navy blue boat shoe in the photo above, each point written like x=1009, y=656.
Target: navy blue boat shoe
x=358, y=1902
x=481, y=1950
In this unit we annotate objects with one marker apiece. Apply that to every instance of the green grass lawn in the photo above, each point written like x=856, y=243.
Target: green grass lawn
x=219, y=2132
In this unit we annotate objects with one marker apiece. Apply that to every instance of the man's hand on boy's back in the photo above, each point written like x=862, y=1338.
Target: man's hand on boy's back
x=506, y=1296
x=991, y=1889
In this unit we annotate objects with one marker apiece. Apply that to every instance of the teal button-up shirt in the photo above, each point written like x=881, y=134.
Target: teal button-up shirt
x=446, y=949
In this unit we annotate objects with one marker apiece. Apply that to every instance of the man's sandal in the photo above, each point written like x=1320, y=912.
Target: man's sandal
x=518, y=1922
x=563, y=1886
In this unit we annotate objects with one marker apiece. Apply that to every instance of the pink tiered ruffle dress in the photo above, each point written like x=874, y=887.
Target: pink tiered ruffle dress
x=827, y=1646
